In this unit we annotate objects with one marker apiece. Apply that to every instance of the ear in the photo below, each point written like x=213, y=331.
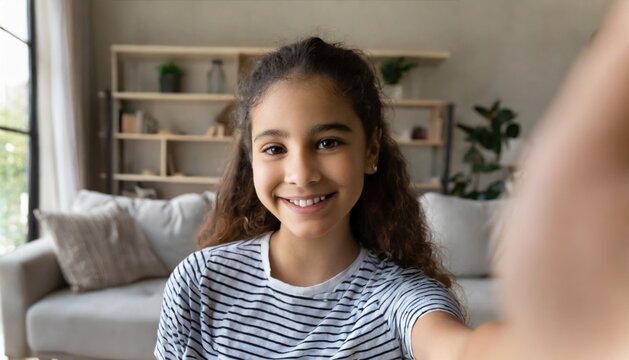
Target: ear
x=373, y=152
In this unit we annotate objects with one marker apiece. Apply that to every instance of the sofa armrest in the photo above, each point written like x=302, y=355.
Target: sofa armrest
x=26, y=275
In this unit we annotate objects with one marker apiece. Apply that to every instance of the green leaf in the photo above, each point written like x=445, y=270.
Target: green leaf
x=472, y=195
x=483, y=111
x=493, y=190
x=490, y=167
x=505, y=115
x=472, y=132
x=495, y=106
x=170, y=68
x=487, y=139
x=392, y=70
x=473, y=157
x=459, y=189
x=466, y=128
x=513, y=130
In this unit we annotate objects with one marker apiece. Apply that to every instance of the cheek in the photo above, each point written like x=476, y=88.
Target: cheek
x=264, y=179
x=349, y=171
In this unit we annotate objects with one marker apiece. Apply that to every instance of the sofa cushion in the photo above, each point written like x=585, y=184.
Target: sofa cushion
x=170, y=226
x=101, y=247
x=120, y=322
x=461, y=230
x=478, y=296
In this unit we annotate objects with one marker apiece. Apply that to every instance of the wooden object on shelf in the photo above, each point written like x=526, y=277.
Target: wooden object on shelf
x=216, y=131
x=435, y=131
x=226, y=117
x=129, y=123
x=171, y=165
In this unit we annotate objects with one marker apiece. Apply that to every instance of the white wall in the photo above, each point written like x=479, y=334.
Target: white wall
x=514, y=50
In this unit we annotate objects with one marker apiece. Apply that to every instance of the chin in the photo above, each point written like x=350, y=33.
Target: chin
x=310, y=232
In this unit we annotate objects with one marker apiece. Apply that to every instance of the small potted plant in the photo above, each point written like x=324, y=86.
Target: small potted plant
x=392, y=71
x=170, y=75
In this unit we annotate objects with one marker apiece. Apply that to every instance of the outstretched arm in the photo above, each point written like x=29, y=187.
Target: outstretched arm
x=566, y=255
x=565, y=246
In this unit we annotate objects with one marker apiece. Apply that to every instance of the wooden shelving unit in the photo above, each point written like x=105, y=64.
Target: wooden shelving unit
x=121, y=95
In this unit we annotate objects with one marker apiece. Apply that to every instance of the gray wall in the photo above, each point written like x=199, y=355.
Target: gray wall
x=514, y=50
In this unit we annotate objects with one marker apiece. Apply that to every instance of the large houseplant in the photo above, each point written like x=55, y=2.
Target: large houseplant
x=482, y=157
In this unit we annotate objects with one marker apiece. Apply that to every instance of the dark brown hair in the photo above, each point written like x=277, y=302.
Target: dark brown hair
x=387, y=217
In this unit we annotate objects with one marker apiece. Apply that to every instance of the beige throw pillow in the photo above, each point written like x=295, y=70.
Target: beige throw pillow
x=100, y=248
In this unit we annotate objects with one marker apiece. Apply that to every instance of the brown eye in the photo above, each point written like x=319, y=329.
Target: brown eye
x=273, y=150
x=328, y=144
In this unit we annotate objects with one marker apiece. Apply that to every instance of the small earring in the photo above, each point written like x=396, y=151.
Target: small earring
x=375, y=168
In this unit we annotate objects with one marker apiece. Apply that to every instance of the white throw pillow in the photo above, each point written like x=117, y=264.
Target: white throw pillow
x=461, y=229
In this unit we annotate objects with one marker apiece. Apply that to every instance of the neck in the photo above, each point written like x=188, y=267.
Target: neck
x=310, y=261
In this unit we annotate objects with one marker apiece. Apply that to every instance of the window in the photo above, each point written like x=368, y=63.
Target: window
x=18, y=139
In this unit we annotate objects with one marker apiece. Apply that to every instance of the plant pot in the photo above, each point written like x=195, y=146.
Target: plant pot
x=394, y=92
x=169, y=83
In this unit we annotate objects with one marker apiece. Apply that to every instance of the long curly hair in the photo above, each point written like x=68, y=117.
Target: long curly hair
x=386, y=219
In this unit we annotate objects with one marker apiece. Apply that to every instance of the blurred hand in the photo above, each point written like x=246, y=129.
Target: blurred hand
x=565, y=242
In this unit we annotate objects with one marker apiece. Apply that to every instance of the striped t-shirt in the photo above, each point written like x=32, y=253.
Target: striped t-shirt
x=221, y=302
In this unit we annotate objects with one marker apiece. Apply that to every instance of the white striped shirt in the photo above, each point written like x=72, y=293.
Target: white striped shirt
x=221, y=302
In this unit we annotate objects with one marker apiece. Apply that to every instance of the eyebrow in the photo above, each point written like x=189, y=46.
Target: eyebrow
x=315, y=130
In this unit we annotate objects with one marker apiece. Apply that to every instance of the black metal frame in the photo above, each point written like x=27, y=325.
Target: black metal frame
x=449, y=118
x=33, y=133
x=109, y=158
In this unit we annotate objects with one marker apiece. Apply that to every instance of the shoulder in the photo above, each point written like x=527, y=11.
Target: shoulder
x=202, y=263
x=411, y=288
x=390, y=275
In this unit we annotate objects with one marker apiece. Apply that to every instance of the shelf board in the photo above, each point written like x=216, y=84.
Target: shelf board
x=428, y=185
x=431, y=56
x=160, y=51
x=426, y=143
x=156, y=96
x=168, y=179
x=415, y=103
x=173, y=137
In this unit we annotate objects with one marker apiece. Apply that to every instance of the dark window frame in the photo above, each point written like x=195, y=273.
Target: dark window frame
x=32, y=133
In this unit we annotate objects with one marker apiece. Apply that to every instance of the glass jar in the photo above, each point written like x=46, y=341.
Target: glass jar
x=216, y=77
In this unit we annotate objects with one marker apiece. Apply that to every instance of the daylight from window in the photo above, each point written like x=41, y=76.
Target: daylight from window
x=14, y=138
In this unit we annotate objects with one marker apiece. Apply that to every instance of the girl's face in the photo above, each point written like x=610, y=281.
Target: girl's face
x=309, y=156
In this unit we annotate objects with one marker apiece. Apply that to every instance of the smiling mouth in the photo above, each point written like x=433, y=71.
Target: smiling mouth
x=304, y=203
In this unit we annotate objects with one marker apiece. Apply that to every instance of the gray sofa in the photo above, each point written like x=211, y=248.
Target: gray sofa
x=462, y=230
x=43, y=318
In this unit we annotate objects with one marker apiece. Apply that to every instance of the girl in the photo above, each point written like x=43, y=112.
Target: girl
x=334, y=262
x=317, y=246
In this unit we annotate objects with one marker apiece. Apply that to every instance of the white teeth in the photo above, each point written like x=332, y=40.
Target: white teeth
x=308, y=202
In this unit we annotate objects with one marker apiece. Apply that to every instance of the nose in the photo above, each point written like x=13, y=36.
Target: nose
x=302, y=168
